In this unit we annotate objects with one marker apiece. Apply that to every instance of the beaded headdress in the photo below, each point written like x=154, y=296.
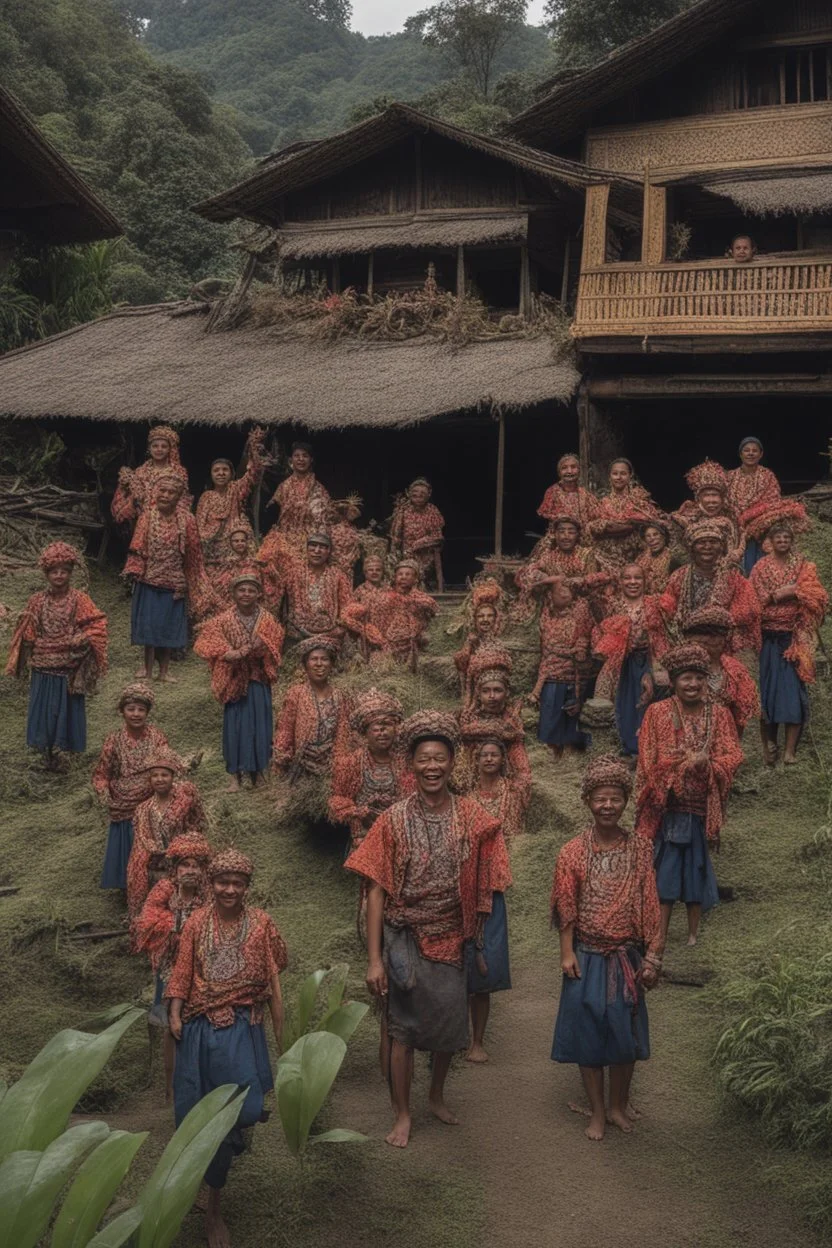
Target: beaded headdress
x=188, y=845
x=413, y=564
x=230, y=861
x=240, y=526
x=56, y=553
x=687, y=658
x=704, y=529
x=374, y=704
x=321, y=642
x=163, y=757
x=565, y=518
x=137, y=691
x=606, y=769
x=430, y=726
x=169, y=477
x=248, y=576
x=707, y=476
x=491, y=663
x=486, y=593
x=164, y=432
x=711, y=619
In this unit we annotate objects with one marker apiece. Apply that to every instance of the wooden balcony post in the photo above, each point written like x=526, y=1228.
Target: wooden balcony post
x=460, y=271
x=654, y=225
x=595, y=226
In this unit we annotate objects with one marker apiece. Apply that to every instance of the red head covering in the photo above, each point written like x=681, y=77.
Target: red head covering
x=708, y=475
x=56, y=553
x=687, y=658
x=606, y=769
x=230, y=861
x=188, y=845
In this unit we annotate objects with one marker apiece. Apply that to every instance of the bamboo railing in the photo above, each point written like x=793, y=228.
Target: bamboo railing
x=706, y=297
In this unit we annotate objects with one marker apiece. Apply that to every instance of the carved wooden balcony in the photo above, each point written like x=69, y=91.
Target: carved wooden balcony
x=775, y=295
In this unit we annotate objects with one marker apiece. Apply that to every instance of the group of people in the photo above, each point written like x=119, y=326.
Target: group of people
x=642, y=616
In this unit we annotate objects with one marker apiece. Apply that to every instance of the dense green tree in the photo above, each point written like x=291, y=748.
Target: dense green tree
x=471, y=33
x=584, y=31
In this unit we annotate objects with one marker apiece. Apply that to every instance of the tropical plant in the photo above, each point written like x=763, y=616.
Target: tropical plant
x=312, y=1012
x=40, y=1154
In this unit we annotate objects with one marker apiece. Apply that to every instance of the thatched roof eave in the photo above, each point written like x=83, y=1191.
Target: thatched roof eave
x=358, y=237
x=152, y=364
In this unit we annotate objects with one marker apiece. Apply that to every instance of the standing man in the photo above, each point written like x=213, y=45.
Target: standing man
x=431, y=862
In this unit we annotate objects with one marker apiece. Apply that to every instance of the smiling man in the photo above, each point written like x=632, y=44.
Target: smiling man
x=432, y=863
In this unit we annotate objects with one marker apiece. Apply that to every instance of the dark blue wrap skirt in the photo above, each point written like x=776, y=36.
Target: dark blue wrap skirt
x=555, y=727
x=247, y=730
x=684, y=871
x=157, y=618
x=628, y=715
x=783, y=695
x=495, y=952
x=57, y=719
x=206, y=1058
x=117, y=854
x=599, y=1021
x=752, y=554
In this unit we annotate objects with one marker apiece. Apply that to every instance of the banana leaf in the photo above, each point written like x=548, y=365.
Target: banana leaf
x=297, y=1020
x=304, y=1078
x=30, y=1182
x=36, y=1109
x=171, y=1189
x=343, y=1021
x=94, y=1187
x=118, y=1231
x=337, y=984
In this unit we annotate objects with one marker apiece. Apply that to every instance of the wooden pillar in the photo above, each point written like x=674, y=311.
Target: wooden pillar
x=336, y=275
x=595, y=226
x=501, y=473
x=417, y=174
x=460, y=271
x=370, y=273
x=584, y=443
x=564, y=286
x=654, y=225
x=525, y=283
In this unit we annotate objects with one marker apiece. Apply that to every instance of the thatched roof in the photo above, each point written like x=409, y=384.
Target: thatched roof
x=256, y=198
x=43, y=196
x=435, y=230
x=776, y=197
x=149, y=364
x=566, y=110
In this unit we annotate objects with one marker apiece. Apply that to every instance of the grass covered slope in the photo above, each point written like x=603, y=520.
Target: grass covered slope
x=520, y=1157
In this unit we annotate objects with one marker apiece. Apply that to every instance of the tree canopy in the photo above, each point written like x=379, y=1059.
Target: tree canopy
x=584, y=31
x=471, y=33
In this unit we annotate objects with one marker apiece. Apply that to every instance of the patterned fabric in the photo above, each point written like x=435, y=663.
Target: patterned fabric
x=304, y=506
x=62, y=635
x=756, y=498
x=165, y=552
x=634, y=507
x=417, y=533
x=733, y=687
x=57, y=553
x=346, y=546
x=154, y=827
x=606, y=769
x=547, y=559
x=158, y=926
x=608, y=893
x=656, y=569
x=689, y=589
x=257, y=639
x=219, y=970
x=690, y=517
x=362, y=788
x=216, y=512
x=438, y=871
x=230, y=861
x=505, y=803
x=136, y=691
x=424, y=724
x=801, y=616
x=689, y=657
x=565, y=634
x=636, y=625
x=476, y=727
x=307, y=728
x=579, y=504
x=138, y=488
x=318, y=600
x=121, y=771
x=669, y=738
x=401, y=620
x=373, y=704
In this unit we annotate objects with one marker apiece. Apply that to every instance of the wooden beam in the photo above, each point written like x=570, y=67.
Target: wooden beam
x=595, y=226
x=370, y=273
x=584, y=447
x=336, y=276
x=417, y=174
x=501, y=472
x=654, y=225
x=564, y=285
x=525, y=283
x=708, y=344
x=690, y=385
x=460, y=271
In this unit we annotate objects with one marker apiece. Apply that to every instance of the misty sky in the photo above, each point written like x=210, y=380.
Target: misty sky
x=377, y=17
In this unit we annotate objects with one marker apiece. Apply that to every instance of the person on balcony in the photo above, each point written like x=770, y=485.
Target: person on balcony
x=743, y=249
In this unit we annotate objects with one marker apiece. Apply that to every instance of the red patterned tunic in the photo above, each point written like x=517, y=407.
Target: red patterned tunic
x=801, y=616
x=667, y=741
x=218, y=971
x=139, y=491
x=438, y=872
x=304, y=507
x=165, y=552
x=689, y=589
x=63, y=635
x=608, y=892
x=308, y=728
x=232, y=630
x=476, y=726
x=154, y=827
x=346, y=547
x=505, y=804
x=216, y=510
x=565, y=634
x=656, y=569
x=120, y=774
x=757, y=500
x=579, y=504
x=157, y=928
x=401, y=620
x=362, y=789
x=319, y=600
x=633, y=507
x=636, y=625
x=733, y=687
x=417, y=532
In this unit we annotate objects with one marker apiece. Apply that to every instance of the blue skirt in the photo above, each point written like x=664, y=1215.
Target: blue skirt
x=596, y=1026
x=555, y=727
x=495, y=952
x=117, y=854
x=752, y=554
x=206, y=1058
x=783, y=695
x=157, y=618
x=684, y=871
x=247, y=730
x=57, y=719
x=628, y=715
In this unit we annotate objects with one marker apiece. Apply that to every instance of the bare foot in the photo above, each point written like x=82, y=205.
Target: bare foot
x=399, y=1137
x=234, y=785
x=216, y=1231
x=258, y=780
x=142, y=673
x=167, y=679
x=595, y=1130
x=692, y=939
x=584, y=1110
x=632, y=1113
x=617, y=1119
x=771, y=754
x=440, y=1110
x=477, y=1054
x=789, y=760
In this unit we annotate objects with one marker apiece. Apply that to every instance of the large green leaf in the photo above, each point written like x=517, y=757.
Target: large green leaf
x=343, y=1021
x=337, y=983
x=171, y=1189
x=338, y=1135
x=118, y=1231
x=297, y=1019
x=36, y=1109
x=304, y=1077
x=94, y=1187
x=30, y=1182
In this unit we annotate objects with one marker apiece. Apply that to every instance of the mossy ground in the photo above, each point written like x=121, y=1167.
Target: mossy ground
x=53, y=840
